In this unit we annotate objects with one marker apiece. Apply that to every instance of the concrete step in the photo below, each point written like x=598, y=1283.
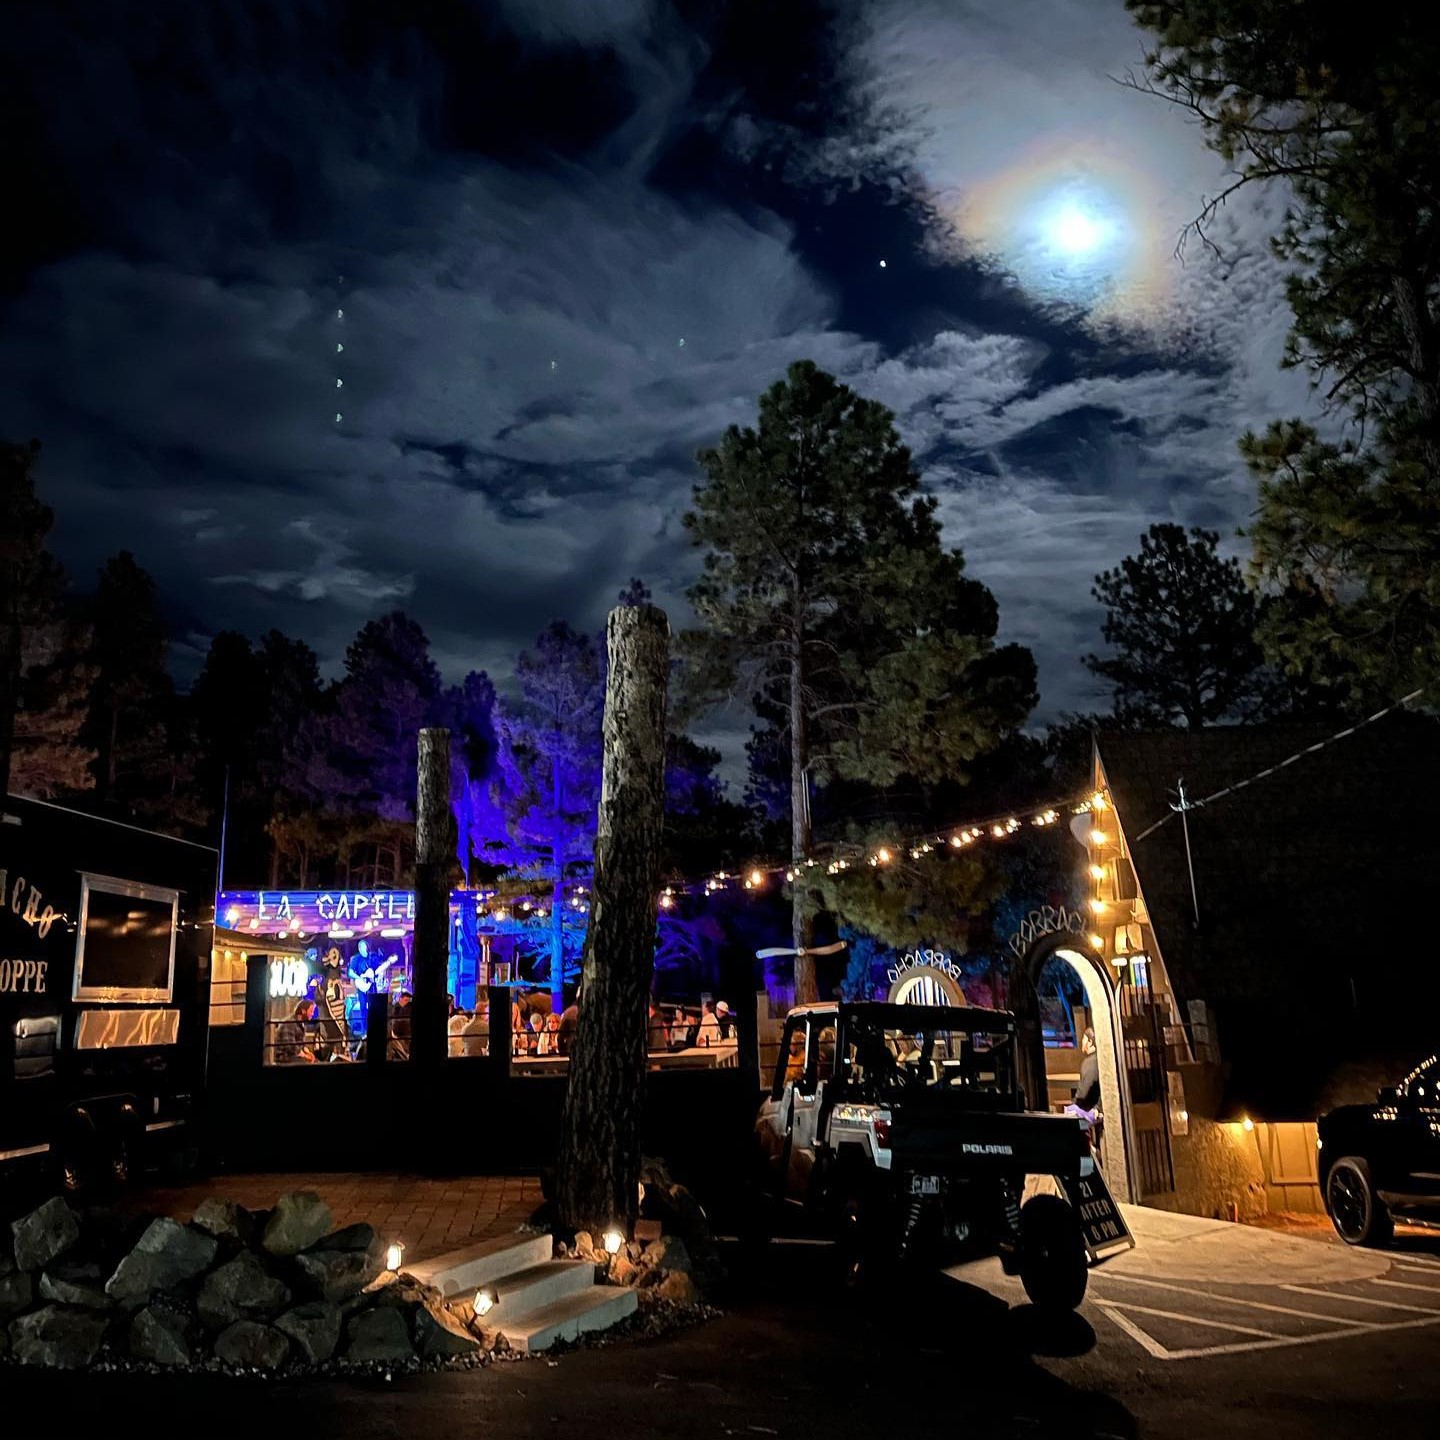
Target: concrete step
x=597, y=1308
x=519, y=1295
x=463, y=1271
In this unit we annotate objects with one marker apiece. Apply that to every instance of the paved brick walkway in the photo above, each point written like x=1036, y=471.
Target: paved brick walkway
x=427, y=1215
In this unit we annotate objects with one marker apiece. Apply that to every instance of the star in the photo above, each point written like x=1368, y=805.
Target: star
x=882, y=264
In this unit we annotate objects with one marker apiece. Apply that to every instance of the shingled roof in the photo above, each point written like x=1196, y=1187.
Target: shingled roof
x=1318, y=890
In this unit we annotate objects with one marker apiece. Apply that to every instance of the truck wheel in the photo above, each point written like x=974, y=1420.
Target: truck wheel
x=1358, y=1214
x=1052, y=1254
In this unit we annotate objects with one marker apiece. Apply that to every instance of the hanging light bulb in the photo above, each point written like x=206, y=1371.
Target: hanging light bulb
x=1097, y=905
x=757, y=877
x=1097, y=872
x=883, y=855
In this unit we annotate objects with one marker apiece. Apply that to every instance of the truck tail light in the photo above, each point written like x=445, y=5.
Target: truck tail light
x=882, y=1134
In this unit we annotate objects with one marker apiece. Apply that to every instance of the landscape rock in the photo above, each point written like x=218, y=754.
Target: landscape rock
x=225, y=1220
x=61, y=1336
x=344, y=1263
x=438, y=1335
x=584, y=1246
x=158, y=1335
x=241, y=1289
x=669, y=1254
x=379, y=1334
x=314, y=1328
x=17, y=1290
x=298, y=1221
x=44, y=1234
x=623, y=1271
x=72, y=1283
x=166, y=1255
x=679, y=1287
x=249, y=1343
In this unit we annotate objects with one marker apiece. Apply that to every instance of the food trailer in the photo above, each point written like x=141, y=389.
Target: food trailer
x=105, y=941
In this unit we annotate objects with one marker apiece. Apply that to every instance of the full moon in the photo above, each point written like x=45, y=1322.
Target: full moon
x=1075, y=231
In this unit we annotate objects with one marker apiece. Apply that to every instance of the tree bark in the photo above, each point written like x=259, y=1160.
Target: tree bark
x=434, y=852
x=802, y=912
x=598, y=1177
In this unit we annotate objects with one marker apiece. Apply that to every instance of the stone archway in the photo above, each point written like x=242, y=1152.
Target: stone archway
x=1103, y=1004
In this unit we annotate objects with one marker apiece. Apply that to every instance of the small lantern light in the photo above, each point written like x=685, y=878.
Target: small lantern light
x=484, y=1301
x=394, y=1255
x=613, y=1241
x=1247, y=1124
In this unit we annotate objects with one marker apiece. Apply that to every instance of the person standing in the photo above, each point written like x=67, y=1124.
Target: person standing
x=1087, y=1092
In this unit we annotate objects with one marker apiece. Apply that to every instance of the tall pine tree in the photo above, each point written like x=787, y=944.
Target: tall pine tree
x=828, y=596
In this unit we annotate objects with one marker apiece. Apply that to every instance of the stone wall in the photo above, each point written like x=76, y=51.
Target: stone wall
x=1217, y=1166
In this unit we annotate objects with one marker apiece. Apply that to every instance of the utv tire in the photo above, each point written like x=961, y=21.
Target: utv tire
x=1052, y=1254
x=1358, y=1214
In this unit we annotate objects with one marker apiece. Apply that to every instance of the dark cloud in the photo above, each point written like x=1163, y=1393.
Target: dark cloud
x=572, y=240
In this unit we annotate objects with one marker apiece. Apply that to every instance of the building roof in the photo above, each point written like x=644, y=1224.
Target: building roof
x=1314, y=889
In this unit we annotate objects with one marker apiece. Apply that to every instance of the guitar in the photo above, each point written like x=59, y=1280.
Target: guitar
x=369, y=979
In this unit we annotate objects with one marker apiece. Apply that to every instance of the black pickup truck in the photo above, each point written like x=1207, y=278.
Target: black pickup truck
x=1381, y=1162
x=901, y=1131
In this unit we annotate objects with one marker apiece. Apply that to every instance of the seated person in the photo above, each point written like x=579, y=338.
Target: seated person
x=455, y=1027
x=475, y=1037
x=795, y=1060
x=294, y=1038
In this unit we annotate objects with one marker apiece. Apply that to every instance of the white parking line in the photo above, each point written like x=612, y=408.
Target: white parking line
x=1188, y=1319
x=1405, y=1285
x=1234, y=1300
x=1359, y=1299
x=1245, y=1347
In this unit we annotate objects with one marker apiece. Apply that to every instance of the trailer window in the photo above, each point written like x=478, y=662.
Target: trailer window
x=125, y=949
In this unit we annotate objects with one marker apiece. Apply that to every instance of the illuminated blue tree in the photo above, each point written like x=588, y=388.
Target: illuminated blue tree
x=548, y=780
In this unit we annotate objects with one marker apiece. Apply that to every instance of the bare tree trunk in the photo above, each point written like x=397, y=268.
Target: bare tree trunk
x=557, y=941
x=599, y=1172
x=802, y=911
x=434, y=852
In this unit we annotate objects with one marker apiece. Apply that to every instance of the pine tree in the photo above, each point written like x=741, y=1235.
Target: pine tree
x=140, y=771
x=828, y=597
x=1181, y=624
x=548, y=780
x=42, y=678
x=1339, y=104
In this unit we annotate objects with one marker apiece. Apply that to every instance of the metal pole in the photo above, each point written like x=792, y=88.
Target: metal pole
x=1184, y=807
x=224, y=830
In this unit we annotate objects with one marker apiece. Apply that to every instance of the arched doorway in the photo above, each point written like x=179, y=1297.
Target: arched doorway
x=925, y=977
x=1044, y=1068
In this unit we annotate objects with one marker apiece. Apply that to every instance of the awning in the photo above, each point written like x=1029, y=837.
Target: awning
x=255, y=944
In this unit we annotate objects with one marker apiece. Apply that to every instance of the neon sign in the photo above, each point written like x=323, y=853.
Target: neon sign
x=336, y=905
x=289, y=977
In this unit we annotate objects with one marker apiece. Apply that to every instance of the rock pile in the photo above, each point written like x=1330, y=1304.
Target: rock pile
x=673, y=1256
x=258, y=1291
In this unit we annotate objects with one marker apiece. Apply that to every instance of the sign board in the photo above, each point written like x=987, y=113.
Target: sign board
x=1100, y=1218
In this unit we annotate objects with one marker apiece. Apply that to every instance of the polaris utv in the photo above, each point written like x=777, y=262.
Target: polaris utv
x=900, y=1131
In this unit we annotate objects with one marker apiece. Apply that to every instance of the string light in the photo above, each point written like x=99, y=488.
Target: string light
x=1097, y=872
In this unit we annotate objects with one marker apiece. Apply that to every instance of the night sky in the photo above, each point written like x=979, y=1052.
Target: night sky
x=572, y=240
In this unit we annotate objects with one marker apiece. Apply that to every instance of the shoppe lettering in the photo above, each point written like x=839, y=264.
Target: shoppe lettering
x=23, y=977
x=396, y=905
x=24, y=900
